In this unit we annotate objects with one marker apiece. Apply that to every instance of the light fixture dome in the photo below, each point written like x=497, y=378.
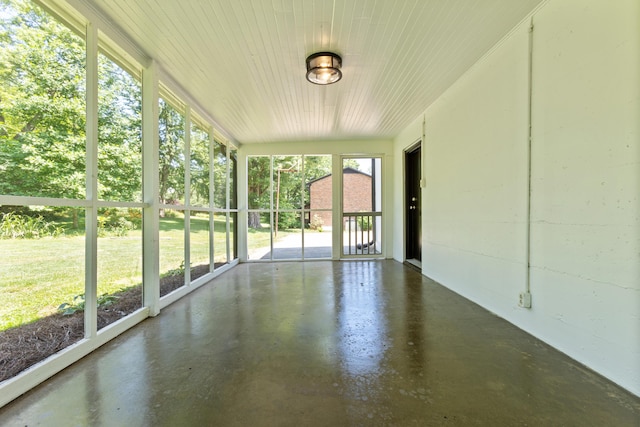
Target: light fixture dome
x=323, y=68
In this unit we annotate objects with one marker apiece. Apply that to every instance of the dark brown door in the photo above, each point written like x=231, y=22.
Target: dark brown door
x=413, y=172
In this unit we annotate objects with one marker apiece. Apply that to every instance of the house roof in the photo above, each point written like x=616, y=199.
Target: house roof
x=345, y=170
x=243, y=62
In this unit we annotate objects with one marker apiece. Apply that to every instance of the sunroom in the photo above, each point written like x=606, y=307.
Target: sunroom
x=149, y=149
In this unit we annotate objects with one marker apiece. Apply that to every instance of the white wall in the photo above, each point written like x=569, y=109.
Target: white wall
x=585, y=183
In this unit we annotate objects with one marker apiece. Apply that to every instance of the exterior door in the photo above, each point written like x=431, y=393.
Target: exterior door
x=413, y=236
x=362, y=207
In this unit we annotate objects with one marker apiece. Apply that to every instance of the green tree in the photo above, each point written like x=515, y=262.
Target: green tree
x=171, y=150
x=42, y=107
x=288, y=185
x=119, y=133
x=220, y=175
x=259, y=168
x=43, y=114
x=287, y=182
x=287, y=190
x=199, y=166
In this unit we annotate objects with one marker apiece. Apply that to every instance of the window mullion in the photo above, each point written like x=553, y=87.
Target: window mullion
x=91, y=219
x=271, y=207
x=212, y=190
x=228, y=201
x=187, y=196
x=302, y=207
x=150, y=189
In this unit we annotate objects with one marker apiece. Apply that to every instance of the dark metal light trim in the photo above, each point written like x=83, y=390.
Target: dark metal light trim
x=323, y=68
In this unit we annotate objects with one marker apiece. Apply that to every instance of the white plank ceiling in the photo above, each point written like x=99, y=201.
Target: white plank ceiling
x=243, y=61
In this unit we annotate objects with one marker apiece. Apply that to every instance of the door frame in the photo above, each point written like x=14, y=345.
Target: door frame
x=377, y=186
x=406, y=249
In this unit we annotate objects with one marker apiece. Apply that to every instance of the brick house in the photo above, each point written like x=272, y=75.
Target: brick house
x=357, y=193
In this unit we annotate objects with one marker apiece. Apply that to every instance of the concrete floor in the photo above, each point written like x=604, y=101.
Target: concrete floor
x=324, y=343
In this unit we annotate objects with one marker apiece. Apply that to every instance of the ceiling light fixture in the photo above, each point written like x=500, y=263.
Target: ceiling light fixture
x=323, y=68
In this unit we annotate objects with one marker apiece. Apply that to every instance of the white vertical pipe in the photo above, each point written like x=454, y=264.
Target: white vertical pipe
x=529, y=142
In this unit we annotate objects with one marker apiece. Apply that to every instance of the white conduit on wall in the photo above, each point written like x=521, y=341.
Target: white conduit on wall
x=422, y=153
x=525, y=300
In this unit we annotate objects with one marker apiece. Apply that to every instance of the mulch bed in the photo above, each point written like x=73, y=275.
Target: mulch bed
x=26, y=345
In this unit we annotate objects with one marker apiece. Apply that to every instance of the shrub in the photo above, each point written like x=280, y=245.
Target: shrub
x=175, y=272
x=78, y=303
x=16, y=226
x=169, y=213
x=288, y=220
x=117, y=222
x=316, y=223
x=365, y=223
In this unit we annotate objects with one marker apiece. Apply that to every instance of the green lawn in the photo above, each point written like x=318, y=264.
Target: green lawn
x=259, y=240
x=36, y=276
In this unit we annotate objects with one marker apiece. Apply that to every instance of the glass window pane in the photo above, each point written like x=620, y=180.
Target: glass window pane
x=200, y=238
x=171, y=243
x=233, y=235
x=220, y=239
x=357, y=185
x=362, y=206
x=317, y=238
x=287, y=182
x=199, y=167
x=287, y=241
x=171, y=152
x=317, y=178
x=119, y=133
x=318, y=193
x=42, y=259
x=259, y=238
x=119, y=263
x=220, y=175
x=258, y=168
x=42, y=90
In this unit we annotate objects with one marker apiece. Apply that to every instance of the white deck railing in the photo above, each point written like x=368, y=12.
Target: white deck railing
x=361, y=233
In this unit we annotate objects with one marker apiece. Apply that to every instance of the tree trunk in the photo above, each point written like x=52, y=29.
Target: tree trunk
x=3, y=131
x=29, y=127
x=254, y=220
